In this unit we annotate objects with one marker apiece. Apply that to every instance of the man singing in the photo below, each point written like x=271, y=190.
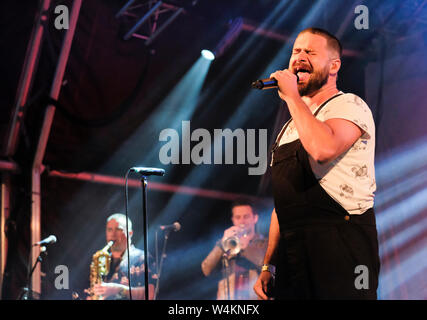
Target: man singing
x=323, y=238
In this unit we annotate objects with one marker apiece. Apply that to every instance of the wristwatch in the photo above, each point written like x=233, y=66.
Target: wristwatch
x=269, y=268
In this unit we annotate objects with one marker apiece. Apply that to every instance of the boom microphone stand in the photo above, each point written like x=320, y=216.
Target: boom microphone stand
x=167, y=229
x=160, y=265
x=27, y=292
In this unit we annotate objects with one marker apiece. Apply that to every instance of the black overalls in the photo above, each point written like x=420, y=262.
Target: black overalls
x=321, y=246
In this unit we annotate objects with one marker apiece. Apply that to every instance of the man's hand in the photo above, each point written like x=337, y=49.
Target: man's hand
x=261, y=285
x=287, y=82
x=107, y=289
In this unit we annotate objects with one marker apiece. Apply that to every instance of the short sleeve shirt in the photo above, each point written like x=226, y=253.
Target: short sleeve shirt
x=350, y=178
x=119, y=269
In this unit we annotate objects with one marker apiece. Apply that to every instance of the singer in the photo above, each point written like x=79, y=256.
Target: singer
x=322, y=229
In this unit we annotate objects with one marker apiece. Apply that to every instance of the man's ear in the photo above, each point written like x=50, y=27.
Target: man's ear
x=335, y=66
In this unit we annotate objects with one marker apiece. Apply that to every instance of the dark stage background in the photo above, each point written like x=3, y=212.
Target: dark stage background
x=118, y=95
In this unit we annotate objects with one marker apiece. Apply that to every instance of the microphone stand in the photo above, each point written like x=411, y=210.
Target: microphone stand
x=27, y=290
x=226, y=271
x=160, y=265
x=144, y=183
x=144, y=172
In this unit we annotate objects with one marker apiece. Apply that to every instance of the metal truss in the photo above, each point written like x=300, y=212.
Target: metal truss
x=152, y=17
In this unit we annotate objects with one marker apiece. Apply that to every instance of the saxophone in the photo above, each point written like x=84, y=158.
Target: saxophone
x=99, y=268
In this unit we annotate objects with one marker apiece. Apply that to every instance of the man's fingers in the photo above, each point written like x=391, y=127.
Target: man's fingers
x=291, y=74
x=281, y=73
x=275, y=75
x=264, y=287
x=259, y=290
x=230, y=232
x=261, y=294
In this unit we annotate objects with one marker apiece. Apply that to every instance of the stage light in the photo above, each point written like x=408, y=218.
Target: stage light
x=207, y=54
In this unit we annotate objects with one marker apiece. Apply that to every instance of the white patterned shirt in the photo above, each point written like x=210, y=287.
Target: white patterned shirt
x=350, y=178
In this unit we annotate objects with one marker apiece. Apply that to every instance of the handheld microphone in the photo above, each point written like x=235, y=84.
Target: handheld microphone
x=264, y=84
x=49, y=240
x=176, y=226
x=148, y=171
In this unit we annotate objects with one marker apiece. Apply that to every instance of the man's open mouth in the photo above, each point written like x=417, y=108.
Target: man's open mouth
x=302, y=72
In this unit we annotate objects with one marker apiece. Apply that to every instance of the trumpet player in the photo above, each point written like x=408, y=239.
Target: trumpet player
x=239, y=254
x=115, y=284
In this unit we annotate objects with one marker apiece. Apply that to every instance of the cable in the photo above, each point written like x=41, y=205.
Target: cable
x=157, y=267
x=127, y=232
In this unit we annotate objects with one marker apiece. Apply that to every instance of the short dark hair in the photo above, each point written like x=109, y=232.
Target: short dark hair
x=333, y=42
x=245, y=202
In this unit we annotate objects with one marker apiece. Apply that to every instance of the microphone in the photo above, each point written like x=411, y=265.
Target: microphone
x=49, y=240
x=264, y=84
x=176, y=226
x=148, y=171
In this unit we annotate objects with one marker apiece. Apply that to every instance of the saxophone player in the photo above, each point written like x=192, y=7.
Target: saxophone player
x=115, y=283
x=239, y=254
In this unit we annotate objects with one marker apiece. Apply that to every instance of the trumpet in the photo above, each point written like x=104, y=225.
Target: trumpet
x=231, y=245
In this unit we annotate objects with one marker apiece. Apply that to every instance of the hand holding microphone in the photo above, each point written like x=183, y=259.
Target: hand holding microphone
x=269, y=83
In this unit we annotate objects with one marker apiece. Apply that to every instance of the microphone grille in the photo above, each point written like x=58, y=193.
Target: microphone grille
x=177, y=226
x=257, y=84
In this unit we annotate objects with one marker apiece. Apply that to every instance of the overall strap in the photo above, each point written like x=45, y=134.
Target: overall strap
x=276, y=143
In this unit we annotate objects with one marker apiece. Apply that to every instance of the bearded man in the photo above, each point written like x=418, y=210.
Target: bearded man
x=323, y=238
